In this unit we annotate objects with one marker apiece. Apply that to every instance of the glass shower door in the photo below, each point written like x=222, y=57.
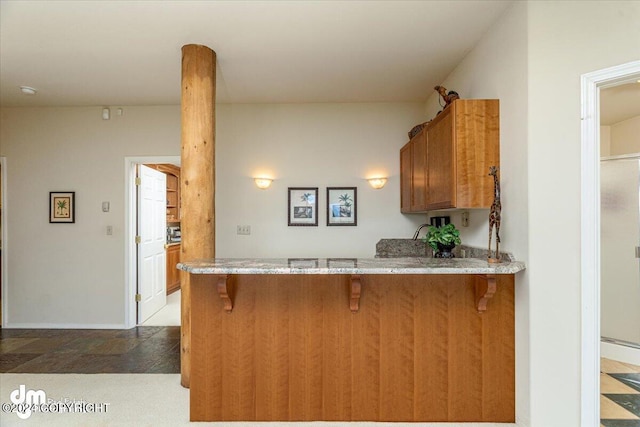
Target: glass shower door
x=620, y=236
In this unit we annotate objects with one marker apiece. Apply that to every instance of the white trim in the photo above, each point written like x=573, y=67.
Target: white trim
x=5, y=243
x=621, y=157
x=591, y=84
x=130, y=264
x=65, y=326
x=621, y=353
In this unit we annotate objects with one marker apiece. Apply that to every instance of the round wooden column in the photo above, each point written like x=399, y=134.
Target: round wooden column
x=197, y=176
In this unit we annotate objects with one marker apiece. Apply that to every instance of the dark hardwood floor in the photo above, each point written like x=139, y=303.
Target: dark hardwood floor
x=144, y=349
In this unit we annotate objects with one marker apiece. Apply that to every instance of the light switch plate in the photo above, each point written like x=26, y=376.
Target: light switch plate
x=243, y=230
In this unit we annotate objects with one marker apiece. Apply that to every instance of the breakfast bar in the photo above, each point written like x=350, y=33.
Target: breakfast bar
x=345, y=339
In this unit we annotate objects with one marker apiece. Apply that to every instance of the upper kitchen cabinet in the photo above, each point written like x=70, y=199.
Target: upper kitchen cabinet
x=406, y=187
x=413, y=171
x=173, y=190
x=452, y=170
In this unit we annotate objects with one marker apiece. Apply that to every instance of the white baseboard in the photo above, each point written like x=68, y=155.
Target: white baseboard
x=63, y=326
x=620, y=353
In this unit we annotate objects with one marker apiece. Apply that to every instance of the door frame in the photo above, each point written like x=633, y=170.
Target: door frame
x=591, y=83
x=5, y=245
x=130, y=221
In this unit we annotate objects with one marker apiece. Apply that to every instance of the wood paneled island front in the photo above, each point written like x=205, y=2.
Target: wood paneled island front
x=409, y=339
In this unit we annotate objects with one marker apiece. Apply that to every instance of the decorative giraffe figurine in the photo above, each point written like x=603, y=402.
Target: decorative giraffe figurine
x=494, y=215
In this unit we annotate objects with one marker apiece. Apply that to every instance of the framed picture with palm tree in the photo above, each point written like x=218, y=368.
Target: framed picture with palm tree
x=342, y=206
x=62, y=207
x=303, y=206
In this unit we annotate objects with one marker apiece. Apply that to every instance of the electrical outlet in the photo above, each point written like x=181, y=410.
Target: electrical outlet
x=109, y=230
x=465, y=219
x=243, y=230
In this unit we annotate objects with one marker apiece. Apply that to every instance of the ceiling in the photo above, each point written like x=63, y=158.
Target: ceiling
x=110, y=53
x=92, y=52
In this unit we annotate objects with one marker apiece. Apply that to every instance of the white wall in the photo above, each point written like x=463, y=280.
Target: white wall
x=532, y=59
x=566, y=40
x=625, y=137
x=315, y=145
x=497, y=68
x=537, y=50
x=72, y=274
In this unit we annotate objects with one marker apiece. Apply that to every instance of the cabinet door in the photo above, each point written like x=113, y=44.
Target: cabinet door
x=419, y=172
x=405, y=178
x=441, y=162
x=477, y=145
x=173, y=274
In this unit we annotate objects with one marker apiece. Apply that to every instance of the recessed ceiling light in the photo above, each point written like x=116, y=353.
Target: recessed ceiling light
x=28, y=90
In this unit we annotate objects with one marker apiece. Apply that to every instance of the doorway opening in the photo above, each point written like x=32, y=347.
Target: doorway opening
x=3, y=242
x=591, y=85
x=150, y=245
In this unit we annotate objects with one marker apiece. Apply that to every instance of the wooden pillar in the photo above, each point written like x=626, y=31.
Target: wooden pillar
x=197, y=176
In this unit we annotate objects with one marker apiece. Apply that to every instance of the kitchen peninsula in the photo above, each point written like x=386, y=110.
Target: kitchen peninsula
x=402, y=339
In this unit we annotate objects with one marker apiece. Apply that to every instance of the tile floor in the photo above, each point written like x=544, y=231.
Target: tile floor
x=144, y=349
x=619, y=394
x=169, y=315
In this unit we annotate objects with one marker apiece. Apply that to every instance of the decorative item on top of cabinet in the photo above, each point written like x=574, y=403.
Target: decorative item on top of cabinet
x=417, y=128
x=448, y=97
x=444, y=166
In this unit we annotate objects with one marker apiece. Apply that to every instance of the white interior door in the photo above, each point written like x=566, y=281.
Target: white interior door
x=152, y=228
x=620, y=235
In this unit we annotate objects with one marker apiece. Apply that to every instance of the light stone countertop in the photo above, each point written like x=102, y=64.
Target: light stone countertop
x=349, y=266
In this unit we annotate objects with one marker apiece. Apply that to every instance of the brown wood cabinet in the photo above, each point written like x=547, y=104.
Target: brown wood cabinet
x=446, y=165
x=173, y=274
x=292, y=350
x=173, y=189
x=405, y=178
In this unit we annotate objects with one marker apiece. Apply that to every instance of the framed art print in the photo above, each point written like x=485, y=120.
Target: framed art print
x=62, y=207
x=303, y=206
x=342, y=206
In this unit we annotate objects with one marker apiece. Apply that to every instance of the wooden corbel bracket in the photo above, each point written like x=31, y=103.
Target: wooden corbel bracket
x=485, y=289
x=356, y=290
x=224, y=290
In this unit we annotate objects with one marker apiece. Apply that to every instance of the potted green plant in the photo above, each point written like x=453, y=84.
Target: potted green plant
x=442, y=240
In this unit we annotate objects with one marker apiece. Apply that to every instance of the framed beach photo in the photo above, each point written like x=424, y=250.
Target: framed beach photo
x=303, y=206
x=342, y=206
x=62, y=207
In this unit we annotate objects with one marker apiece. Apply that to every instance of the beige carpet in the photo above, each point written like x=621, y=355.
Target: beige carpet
x=153, y=400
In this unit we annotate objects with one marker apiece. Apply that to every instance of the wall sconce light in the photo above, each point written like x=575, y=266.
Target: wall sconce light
x=377, y=183
x=28, y=90
x=263, y=183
